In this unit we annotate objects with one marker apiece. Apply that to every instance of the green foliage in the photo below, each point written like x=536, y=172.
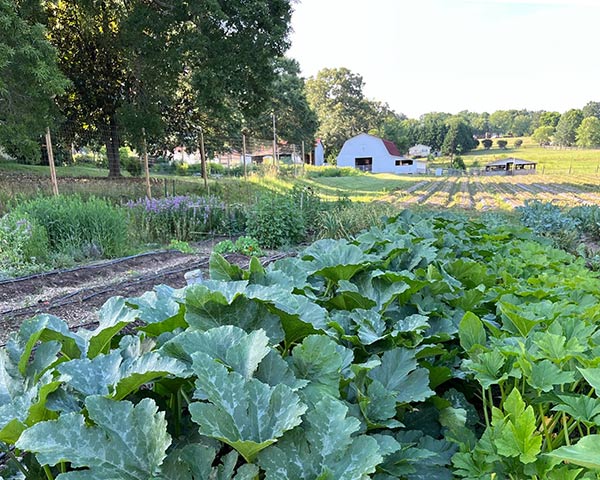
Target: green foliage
x=275, y=221
x=183, y=247
x=29, y=79
x=588, y=133
x=23, y=245
x=566, y=130
x=431, y=346
x=458, y=163
x=317, y=172
x=543, y=134
x=244, y=245
x=547, y=219
x=347, y=220
x=459, y=138
x=183, y=218
x=518, y=143
x=91, y=228
x=487, y=143
x=502, y=144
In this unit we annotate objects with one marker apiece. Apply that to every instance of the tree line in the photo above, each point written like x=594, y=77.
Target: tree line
x=126, y=71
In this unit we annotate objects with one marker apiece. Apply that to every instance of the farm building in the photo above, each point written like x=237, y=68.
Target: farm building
x=373, y=154
x=510, y=166
x=418, y=151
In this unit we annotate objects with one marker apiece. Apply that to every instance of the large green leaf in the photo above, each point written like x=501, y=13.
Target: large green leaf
x=398, y=373
x=161, y=310
x=336, y=259
x=119, y=373
x=219, y=305
x=324, y=448
x=545, y=374
x=125, y=441
x=471, y=332
x=584, y=452
x=245, y=413
x=516, y=429
x=232, y=346
x=195, y=462
x=222, y=270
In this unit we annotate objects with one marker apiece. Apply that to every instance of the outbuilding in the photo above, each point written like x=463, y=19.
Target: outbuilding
x=374, y=154
x=510, y=166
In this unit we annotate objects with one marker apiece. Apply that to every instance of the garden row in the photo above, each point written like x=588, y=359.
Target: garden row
x=56, y=232
x=430, y=347
x=499, y=192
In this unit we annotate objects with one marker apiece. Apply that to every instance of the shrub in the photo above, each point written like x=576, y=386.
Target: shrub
x=133, y=166
x=182, y=218
x=348, y=219
x=275, y=221
x=459, y=163
x=518, y=143
x=588, y=217
x=487, y=143
x=23, y=245
x=89, y=228
x=243, y=245
x=502, y=144
x=316, y=172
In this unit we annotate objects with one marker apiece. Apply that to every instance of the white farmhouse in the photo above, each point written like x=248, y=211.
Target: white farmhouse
x=419, y=150
x=373, y=154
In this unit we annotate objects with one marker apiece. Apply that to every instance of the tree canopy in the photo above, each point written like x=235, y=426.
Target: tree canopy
x=566, y=130
x=588, y=132
x=29, y=79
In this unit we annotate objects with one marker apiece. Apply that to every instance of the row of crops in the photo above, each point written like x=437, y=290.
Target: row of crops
x=433, y=347
x=499, y=192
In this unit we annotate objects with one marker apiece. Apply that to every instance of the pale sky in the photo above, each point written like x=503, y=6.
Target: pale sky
x=421, y=56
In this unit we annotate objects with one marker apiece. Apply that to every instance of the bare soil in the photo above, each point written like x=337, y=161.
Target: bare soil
x=76, y=294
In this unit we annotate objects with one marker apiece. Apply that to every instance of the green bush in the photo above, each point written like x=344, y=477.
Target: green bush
x=91, y=228
x=316, y=172
x=348, y=219
x=244, y=245
x=132, y=165
x=23, y=245
x=275, y=221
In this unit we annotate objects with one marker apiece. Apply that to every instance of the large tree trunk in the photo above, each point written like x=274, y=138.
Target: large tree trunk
x=112, y=149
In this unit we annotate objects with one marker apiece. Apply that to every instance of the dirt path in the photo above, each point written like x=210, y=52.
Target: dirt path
x=76, y=294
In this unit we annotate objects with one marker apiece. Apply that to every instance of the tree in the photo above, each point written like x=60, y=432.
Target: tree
x=459, y=138
x=542, y=135
x=393, y=128
x=518, y=143
x=521, y=125
x=501, y=122
x=588, y=133
x=549, y=119
x=147, y=64
x=29, y=79
x=502, y=144
x=566, y=130
x=336, y=95
x=433, y=129
x=296, y=121
x=591, y=109
x=487, y=143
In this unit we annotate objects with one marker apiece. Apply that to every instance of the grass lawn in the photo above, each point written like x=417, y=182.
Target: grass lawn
x=70, y=171
x=549, y=160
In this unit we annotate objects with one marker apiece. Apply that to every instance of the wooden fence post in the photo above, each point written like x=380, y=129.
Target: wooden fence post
x=244, y=156
x=203, y=159
x=51, y=162
x=146, y=167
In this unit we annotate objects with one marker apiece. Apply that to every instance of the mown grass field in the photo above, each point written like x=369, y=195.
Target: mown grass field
x=551, y=160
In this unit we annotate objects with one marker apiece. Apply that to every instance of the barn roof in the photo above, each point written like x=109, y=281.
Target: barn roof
x=515, y=161
x=391, y=148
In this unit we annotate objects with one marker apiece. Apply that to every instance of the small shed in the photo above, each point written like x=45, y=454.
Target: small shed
x=510, y=166
x=373, y=154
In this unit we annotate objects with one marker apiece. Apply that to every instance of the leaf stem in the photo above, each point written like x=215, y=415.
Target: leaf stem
x=14, y=458
x=485, y=412
x=48, y=472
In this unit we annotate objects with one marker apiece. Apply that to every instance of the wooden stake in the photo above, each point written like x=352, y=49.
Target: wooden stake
x=51, y=162
x=244, y=156
x=146, y=167
x=303, y=158
x=203, y=159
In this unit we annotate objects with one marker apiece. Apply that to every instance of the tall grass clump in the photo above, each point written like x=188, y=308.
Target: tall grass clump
x=184, y=218
x=23, y=245
x=78, y=228
x=347, y=219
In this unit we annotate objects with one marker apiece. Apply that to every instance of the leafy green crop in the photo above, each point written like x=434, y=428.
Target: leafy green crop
x=432, y=347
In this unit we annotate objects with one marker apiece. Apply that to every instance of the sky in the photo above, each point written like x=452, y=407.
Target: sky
x=422, y=56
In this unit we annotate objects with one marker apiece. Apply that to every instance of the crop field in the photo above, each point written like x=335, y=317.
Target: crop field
x=498, y=193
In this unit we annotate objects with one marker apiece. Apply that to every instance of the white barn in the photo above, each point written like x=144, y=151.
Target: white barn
x=373, y=154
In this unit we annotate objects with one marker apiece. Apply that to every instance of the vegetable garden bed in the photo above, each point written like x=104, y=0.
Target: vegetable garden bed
x=434, y=347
